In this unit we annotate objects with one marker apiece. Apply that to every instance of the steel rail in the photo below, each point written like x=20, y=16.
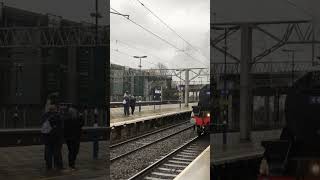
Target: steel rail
x=147, y=134
x=148, y=169
x=149, y=144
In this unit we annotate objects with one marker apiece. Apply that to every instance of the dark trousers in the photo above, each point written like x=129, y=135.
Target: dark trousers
x=73, y=148
x=126, y=110
x=52, y=153
x=132, y=109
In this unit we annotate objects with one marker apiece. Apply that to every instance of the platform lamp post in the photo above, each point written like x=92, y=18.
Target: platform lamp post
x=225, y=92
x=96, y=15
x=292, y=51
x=140, y=66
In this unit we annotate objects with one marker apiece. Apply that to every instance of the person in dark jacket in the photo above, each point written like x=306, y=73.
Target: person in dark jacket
x=132, y=104
x=126, y=104
x=72, y=133
x=53, y=137
x=95, y=137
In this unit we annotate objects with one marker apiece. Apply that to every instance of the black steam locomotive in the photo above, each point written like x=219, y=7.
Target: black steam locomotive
x=297, y=153
x=201, y=113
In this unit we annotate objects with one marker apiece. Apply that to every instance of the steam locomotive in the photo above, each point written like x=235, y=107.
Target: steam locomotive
x=200, y=116
x=296, y=154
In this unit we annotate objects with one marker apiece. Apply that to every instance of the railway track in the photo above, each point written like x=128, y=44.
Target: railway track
x=113, y=145
x=141, y=142
x=169, y=166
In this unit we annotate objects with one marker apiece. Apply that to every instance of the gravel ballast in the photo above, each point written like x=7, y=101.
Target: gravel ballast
x=133, y=163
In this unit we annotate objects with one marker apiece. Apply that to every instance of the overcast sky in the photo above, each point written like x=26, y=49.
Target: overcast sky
x=189, y=18
x=268, y=10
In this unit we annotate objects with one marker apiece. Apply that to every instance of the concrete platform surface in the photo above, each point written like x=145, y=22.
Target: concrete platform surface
x=27, y=163
x=198, y=168
x=232, y=153
x=144, y=118
x=234, y=150
x=117, y=115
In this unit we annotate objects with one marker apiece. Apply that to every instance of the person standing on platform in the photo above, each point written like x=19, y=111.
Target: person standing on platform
x=140, y=99
x=72, y=133
x=126, y=104
x=132, y=104
x=53, y=137
x=15, y=118
x=95, y=136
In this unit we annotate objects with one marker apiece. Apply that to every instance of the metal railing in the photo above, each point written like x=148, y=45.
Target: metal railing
x=29, y=116
x=33, y=136
x=146, y=103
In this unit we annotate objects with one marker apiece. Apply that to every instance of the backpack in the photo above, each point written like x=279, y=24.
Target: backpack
x=46, y=126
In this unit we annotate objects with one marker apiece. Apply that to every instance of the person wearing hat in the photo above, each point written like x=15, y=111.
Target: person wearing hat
x=132, y=104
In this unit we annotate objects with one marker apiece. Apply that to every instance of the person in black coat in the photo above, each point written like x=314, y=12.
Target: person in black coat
x=132, y=104
x=72, y=132
x=53, y=138
x=126, y=104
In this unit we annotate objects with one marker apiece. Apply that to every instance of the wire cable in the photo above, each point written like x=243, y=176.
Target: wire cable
x=121, y=52
x=162, y=39
x=162, y=21
x=140, y=50
x=299, y=8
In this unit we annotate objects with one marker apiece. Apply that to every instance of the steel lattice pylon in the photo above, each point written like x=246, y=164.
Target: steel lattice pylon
x=263, y=67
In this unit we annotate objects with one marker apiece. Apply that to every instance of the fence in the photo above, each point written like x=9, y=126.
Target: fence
x=29, y=116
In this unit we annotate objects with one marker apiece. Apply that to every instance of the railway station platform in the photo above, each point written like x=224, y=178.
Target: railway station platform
x=27, y=163
x=236, y=158
x=117, y=114
x=235, y=150
x=198, y=168
x=150, y=118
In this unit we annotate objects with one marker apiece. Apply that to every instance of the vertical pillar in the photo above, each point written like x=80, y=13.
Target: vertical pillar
x=276, y=109
x=186, y=89
x=24, y=117
x=246, y=53
x=4, y=117
x=132, y=85
x=161, y=95
x=230, y=123
x=86, y=117
x=146, y=89
x=267, y=110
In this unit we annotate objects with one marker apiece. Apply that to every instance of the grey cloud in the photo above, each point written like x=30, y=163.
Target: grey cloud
x=195, y=33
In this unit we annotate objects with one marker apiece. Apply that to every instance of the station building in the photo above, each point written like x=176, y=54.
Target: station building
x=138, y=83
x=28, y=74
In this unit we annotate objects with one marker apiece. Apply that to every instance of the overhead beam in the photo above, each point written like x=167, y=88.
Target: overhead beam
x=258, y=22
